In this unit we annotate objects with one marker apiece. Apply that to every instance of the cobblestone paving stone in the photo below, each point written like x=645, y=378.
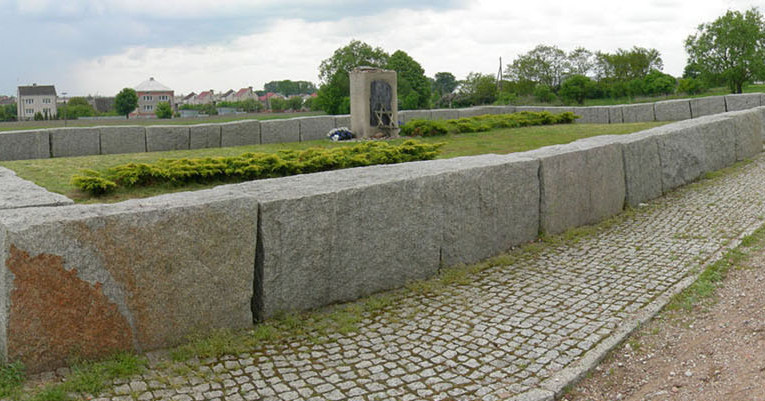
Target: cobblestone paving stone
x=501, y=334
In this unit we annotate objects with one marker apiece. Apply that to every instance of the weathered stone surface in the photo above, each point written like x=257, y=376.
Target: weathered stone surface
x=68, y=142
x=279, y=131
x=581, y=183
x=742, y=101
x=638, y=113
x=506, y=109
x=140, y=274
x=122, y=139
x=490, y=203
x=240, y=133
x=204, y=136
x=167, y=137
x=592, y=114
x=408, y=115
x=444, y=114
x=18, y=193
x=691, y=148
x=343, y=121
x=313, y=250
x=314, y=128
x=747, y=128
x=672, y=110
x=705, y=106
x=473, y=112
x=615, y=115
x=23, y=145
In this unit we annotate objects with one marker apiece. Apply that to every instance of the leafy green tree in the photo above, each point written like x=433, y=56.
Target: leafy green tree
x=691, y=86
x=8, y=112
x=332, y=95
x=413, y=85
x=731, y=48
x=278, y=104
x=288, y=88
x=576, y=88
x=355, y=54
x=658, y=83
x=164, y=110
x=251, y=105
x=478, y=89
x=308, y=103
x=334, y=74
x=445, y=83
x=580, y=61
x=126, y=101
x=77, y=101
x=545, y=65
x=295, y=103
x=625, y=65
x=544, y=93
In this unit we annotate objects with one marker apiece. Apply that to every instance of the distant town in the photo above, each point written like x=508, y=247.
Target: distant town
x=43, y=102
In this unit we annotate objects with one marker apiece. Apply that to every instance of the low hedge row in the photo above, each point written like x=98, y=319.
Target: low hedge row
x=485, y=123
x=251, y=166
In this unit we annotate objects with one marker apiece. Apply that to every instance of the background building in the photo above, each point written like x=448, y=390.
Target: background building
x=36, y=99
x=150, y=93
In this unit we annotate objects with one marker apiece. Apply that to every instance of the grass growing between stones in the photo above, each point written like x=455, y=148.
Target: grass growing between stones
x=84, y=378
x=55, y=174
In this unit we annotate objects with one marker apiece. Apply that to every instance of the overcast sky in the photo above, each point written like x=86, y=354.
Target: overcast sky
x=101, y=46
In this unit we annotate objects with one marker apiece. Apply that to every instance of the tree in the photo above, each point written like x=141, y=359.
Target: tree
x=658, y=83
x=413, y=85
x=445, y=83
x=355, y=54
x=478, y=89
x=164, y=110
x=335, y=90
x=295, y=103
x=126, y=101
x=731, y=48
x=278, y=104
x=580, y=61
x=546, y=65
x=626, y=65
x=576, y=88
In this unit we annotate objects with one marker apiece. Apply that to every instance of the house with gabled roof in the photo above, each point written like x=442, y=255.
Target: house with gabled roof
x=205, y=97
x=150, y=93
x=244, y=94
x=36, y=99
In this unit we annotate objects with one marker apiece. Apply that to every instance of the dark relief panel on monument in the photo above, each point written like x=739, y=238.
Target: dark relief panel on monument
x=381, y=96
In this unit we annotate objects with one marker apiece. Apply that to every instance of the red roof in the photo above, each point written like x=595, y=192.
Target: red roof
x=242, y=92
x=204, y=94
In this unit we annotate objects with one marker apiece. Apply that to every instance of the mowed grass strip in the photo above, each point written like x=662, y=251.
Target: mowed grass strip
x=55, y=174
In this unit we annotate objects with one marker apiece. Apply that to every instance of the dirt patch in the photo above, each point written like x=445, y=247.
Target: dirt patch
x=715, y=352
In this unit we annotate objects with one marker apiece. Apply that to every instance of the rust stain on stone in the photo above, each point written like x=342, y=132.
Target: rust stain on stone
x=55, y=315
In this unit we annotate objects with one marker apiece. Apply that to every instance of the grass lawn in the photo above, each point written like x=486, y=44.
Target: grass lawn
x=30, y=125
x=55, y=174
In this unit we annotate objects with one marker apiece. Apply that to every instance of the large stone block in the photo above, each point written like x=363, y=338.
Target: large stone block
x=343, y=121
x=638, y=113
x=506, y=109
x=747, y=128
x=23, y=145
x=122, y=139
x=444, y=114
x=473, y=112
x=69, y=142
x=742, y=101
x=203, y=136
x=592, y=114
x=581, y=183
x=490, y=203
x=672, y=110
x=408, y=115
x=280, y=131
x=18, y=193
x=142, y=274
x=315, y=128
x=706, y=106
x=691, y=148
x=519, y=109
x=314, y=249
x=161, y=138
x=615, y=115
x=240, y=133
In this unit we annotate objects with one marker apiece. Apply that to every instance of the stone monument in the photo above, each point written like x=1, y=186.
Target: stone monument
x=374, y=106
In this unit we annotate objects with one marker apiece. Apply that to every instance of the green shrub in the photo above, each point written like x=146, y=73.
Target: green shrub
x=251, y=166
x=484, y=123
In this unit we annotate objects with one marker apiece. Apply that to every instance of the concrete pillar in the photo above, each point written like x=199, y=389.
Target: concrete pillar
x=374, y=96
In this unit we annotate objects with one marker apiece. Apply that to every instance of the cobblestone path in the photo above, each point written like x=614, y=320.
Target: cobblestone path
x=503, y=332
